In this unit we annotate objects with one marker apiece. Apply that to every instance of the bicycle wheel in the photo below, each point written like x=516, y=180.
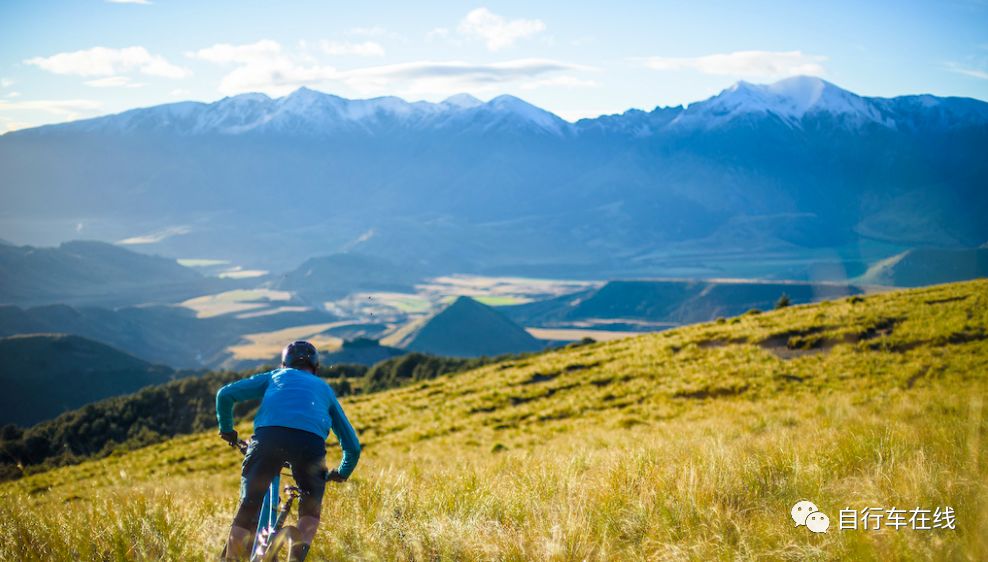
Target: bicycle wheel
x=280, y=547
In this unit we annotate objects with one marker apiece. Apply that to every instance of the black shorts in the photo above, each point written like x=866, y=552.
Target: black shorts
x=269, y=449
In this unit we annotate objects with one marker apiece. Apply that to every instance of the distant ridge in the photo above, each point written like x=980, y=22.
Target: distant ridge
x=44, y=375
x=167, y=335
x=89, y=272
x=361, y=351
x=334, y=276
x=465, y=328
x=672, y=301
x=502, y=187
x=928, y=266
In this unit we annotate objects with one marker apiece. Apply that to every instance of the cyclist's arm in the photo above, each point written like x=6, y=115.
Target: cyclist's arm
x=246, y=389
x=347, y=437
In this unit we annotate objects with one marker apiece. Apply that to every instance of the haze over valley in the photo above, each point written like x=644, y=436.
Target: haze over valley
x=231, y=226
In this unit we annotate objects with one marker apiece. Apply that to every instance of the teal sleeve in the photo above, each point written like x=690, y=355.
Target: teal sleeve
x=347, y=437
x=246, y=389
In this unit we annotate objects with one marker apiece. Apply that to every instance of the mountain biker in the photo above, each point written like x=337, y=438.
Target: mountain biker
x=297, y=411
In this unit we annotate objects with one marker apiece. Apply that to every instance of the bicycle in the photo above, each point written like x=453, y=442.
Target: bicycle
x=272, y=536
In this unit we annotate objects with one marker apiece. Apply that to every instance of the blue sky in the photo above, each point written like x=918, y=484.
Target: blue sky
x=67, y=60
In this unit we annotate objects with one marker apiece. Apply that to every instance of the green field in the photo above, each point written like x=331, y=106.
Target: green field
x=691, y=444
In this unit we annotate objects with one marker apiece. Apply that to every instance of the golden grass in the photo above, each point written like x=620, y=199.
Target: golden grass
x=686, y=444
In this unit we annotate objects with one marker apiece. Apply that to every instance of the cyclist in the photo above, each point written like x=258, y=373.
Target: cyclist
x=298, y=409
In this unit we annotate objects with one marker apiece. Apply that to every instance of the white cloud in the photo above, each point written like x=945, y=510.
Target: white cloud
x=364, y=49
x=263, y=67
x=449, y=77
x=564, y=81
x=141, y=2
x=245, y=54
x=966, y=70
x=497, y=32
x=67, y=109
x=754, y=64
x=7, y=125
x=437, y=33
x=6, y=83
x=179, y=92
x=102, y=61
x=113, y=82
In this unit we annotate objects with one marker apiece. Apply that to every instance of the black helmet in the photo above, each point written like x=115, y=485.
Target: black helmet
x=300, y=354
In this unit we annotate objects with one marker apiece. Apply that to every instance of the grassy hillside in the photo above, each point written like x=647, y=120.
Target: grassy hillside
x=43, y=375
x=160, y=412
x=686, y=444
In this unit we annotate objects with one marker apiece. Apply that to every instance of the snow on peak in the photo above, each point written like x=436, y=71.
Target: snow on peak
x=304, y=99
x=465, y=101
x=506, y=104
x=790, y=99
x=252, y=97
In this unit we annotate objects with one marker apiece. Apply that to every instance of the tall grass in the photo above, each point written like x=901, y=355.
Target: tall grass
x=689, y=445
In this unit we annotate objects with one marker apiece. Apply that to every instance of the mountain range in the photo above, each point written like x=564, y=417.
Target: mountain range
x=96, y=273
x=669, y=302
x=754, y=179
x=926, y=266
x=335, y=276
x=44, y=375
x=167, y=335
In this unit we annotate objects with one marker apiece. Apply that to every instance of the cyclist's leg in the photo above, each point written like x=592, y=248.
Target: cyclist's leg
x=309, y=470
x=263, y=461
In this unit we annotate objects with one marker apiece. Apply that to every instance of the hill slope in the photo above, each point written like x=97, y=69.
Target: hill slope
x=690, y=443
x=94, y=273
x=168, y=335
x=465, y=328
x=335, y=276
x=361, y=351
x=44, y=375
x=671, y=301
x=927, y=266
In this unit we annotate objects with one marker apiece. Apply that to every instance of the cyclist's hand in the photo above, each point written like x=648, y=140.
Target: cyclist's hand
x=335, y=476
x=230, y=437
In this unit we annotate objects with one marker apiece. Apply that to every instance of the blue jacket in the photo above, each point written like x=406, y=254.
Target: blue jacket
x=296, y=399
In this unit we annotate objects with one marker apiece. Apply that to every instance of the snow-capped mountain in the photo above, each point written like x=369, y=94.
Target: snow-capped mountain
x=792, y=101
x=502, y=185
x=796, y=102
x=307, y=111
